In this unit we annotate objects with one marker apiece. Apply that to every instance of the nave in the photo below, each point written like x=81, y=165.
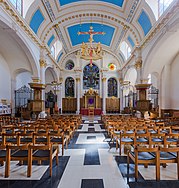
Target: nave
x=90, y=161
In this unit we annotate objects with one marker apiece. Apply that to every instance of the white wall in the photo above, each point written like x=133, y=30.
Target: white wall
x=175, y=83
x=5, y=80
x=23, y=79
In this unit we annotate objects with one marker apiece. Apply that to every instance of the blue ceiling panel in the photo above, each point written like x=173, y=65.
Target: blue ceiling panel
x=50, y=40
x=78, y=39
x=115, y=2
x=131, y=41
x=145, y=23
x=36, y=21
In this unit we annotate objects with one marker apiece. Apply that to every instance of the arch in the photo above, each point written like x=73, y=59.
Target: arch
x=19, y=40
x=91, y=77
x=50, y=75
x=154, y=62
x=112, y=87
x=69, y=87
x=131, y=75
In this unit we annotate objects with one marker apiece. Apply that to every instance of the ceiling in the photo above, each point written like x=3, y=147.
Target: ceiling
x=121, y=20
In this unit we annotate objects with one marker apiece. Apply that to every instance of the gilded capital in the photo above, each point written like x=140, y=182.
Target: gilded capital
x=138, y=64
x=103, y=79
x=42, y=63
x=77, y=79
x=121, y=80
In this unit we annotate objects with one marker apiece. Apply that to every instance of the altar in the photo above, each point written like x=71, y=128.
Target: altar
x=91, y=100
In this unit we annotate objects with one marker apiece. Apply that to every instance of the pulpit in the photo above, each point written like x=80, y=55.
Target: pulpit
x=91, y=102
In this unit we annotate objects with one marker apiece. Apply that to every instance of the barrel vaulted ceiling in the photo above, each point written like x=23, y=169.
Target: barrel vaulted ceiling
x=121, y=20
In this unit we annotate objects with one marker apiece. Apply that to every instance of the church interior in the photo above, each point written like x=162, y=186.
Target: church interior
x=88, y=93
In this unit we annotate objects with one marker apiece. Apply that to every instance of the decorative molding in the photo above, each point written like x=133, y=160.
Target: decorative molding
x=124, y=24
x=36, y=80
x=56, y=27
x=128, y=20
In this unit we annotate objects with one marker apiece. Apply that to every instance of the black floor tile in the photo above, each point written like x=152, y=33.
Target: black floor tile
x=91, y=156
x=92, y=183
x=155, y=184
x=91, y=130
x=91, y=137
x=80, y=127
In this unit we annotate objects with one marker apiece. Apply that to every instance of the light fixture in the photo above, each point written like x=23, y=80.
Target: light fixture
x=91, y=52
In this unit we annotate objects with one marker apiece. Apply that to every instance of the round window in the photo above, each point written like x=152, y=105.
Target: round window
x=69, y=65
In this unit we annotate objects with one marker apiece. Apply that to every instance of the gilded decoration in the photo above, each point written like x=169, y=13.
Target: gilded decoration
x=104, y=79
x=138, y=64
x=42, y=63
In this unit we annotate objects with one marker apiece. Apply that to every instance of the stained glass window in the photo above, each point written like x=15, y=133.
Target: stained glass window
x=91, y=77
x=69, y=87
x=69, y=65
x=112, y=66
x=112, y=87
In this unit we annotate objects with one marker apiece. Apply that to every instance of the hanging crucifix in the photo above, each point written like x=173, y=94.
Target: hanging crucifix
x=91, y=52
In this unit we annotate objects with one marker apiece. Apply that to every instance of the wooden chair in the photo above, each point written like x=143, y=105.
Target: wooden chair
x=15, y=153
x=43, y=153
x=126, y=138
x=91, y=111
x=169, y=155
x=57, y=138
x=143, y=155
x=2, y=154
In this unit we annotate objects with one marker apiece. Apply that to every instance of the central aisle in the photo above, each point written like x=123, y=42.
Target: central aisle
x=91, y=163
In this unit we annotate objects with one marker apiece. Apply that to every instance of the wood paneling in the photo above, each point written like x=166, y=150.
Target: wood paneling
x=69, y=105
x=112, y=105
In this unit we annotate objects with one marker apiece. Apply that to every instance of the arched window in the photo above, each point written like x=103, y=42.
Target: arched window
x=91, y=77
x=163, y=4
x=53, y=51
x=112, y=87
x=18, y=5
x=69, y=87
x=125, y=49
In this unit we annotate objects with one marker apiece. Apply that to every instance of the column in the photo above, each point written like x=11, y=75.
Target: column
x=43, y=65
x=78, y=92
x=104, y=92
x=121, y=94
x=13, y=88
x=138, y=64
x=59, y=96
x=165, y=94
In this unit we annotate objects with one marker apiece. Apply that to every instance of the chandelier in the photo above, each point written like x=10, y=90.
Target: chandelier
x=91, y=52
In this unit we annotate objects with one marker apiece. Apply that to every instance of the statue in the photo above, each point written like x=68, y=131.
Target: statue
x=98, y=48
x=83, y=49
